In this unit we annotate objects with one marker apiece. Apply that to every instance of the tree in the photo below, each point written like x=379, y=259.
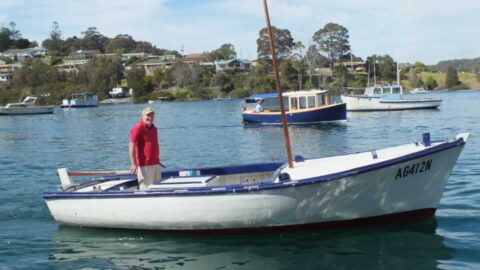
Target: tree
x=222, y=82
x=430, y=83
x=420, y=67
x=387, y=68
x=120, y=44
x=451, y=77
x=101, y=74
x=297, y=58
x=415, y=80
x=55, y=44
x=93, y=40
x=35, y=73
x=225, y=52
x=288, y=74
x=282, y=39
x=332, y=39
x=135, y=79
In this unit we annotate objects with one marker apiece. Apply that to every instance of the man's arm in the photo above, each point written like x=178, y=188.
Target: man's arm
x=131, y=152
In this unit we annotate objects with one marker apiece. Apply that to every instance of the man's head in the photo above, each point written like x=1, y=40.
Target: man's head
x=148, y=115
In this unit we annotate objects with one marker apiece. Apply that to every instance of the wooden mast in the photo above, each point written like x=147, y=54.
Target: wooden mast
x=279, y=87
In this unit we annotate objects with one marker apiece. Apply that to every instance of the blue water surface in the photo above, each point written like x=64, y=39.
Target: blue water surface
x=210, y=133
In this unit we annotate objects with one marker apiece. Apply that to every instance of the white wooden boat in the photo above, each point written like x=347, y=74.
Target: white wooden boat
x=387, y=98
x=27, y=106
x=81, y=100
x=398, y=184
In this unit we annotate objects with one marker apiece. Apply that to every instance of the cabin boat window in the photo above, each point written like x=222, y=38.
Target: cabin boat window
x=377, y=91
x=311, y=101
x=396, y=90
x=321, y=100
x=303, y=102
x=293, y=103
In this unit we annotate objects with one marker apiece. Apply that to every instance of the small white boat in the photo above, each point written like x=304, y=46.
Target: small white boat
x=387, y=98
x=420, y=90
x=80, y=100
x=393, y=185
x=27, y=106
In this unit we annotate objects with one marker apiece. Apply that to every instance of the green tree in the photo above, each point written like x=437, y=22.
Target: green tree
x=298, y=62
x=451, y=77
x=332, y=39
x=387, y=68
x=135, y=79
x=340, y=74
x=93, y=40
x=120, y=44
x=101, y=74
x=420, y=67
x=414, y=79
x=289, y=75
x=35, y=73
x=430, y=83
x=222, y=82
x=225, y=52
x=282, y=39
x=55, y=44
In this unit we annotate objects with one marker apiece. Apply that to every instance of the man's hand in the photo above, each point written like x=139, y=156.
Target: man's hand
x=133, y=169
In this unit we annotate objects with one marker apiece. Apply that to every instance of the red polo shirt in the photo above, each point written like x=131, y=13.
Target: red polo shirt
x=146, y=139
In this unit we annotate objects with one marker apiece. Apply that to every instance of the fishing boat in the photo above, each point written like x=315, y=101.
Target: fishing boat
x=27, y=106
x=303, y=107
x=80, y=100
x=398, y=184
x=388, y=98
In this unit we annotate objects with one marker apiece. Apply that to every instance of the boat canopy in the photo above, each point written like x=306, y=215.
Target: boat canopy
x=256, y=97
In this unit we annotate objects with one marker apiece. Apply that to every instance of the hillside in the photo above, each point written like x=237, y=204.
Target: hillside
x=470, y=65
x=467, y=78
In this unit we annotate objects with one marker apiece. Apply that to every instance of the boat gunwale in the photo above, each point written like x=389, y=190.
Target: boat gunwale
x=239, y=188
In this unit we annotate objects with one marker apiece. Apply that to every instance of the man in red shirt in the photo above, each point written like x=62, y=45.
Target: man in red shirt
x=144, y=150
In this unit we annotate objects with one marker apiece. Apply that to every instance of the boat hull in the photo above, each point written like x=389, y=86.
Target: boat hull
x=330, y=113
x=27, y=110
x=390, y=190
x=368, y=103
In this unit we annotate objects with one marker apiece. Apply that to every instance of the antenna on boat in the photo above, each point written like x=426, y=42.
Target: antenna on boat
x=279, y=87
x=374, y=74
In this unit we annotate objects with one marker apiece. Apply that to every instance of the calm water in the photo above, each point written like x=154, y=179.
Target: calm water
x=209, y=133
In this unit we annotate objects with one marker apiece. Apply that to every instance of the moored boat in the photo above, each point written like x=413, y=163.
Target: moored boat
x=303, y=107
x=27, y=106
x=79, y=100
x=387, y=98
x=398, y=184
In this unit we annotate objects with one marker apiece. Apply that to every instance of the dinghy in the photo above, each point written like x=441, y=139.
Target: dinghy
x=398, y=184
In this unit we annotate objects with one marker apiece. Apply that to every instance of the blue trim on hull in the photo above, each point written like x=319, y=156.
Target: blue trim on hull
x=336, y=112
x=251, y=187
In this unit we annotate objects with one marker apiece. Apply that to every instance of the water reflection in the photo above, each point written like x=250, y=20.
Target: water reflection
x=402, y=247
